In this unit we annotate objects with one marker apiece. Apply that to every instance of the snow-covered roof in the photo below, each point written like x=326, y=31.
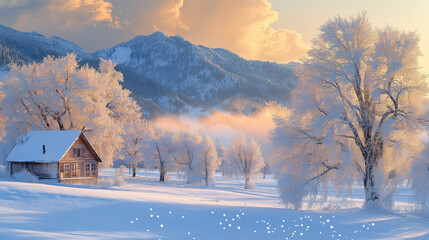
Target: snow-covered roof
x=29, y=148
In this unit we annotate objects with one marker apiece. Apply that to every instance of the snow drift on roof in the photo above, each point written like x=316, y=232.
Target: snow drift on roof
x=29, y=148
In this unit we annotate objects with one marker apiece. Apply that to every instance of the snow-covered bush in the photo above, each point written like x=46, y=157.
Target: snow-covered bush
x=115, y=180
x=25, y=176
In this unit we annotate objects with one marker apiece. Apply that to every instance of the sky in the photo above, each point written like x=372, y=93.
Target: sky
x=268, y=30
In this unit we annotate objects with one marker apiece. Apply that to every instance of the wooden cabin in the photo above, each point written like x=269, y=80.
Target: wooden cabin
x=63, y=155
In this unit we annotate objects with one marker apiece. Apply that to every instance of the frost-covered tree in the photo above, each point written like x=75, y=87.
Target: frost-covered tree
x=196, y=157
x=244, y=158
x=57, y=94
x=265, y=170
x=187, y=148
x=220, y=148
x=269, y=155
x=207, y=161
x=160, y=150
x=135, y=133
x=356, y=112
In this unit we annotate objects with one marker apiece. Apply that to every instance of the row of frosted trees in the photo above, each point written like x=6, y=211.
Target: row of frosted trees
x=197, y=157
x=58, y=94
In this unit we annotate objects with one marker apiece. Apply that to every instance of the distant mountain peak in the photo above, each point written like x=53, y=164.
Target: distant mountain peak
x=178, y=37
x=204, y=75
x=21, y=47
x=158, y=34
x=167, y=73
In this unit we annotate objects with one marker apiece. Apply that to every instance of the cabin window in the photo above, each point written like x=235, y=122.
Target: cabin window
x=86, y=167
x=93, y=167
x=78, y=152
x=67, y=168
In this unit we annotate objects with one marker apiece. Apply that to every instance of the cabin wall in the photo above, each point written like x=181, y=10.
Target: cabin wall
x=73, y=166
x=17, y=167
x=42, y=170
x=7, y=167
x=91, y=180
x=45, y=170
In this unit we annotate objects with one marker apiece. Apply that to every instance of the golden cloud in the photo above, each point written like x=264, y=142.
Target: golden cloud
x=171, y=15
x=242, y=26
x=67, y=14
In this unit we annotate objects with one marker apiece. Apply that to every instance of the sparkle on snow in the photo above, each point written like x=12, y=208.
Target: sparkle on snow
x=284, y=229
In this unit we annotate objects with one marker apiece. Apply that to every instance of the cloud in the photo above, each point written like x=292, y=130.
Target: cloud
x=170, y=16
x=57, y=15
x=84, y=11
x=11, y=3
x=243, y=26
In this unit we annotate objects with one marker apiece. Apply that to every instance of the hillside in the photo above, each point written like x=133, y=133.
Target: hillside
x=168, y=74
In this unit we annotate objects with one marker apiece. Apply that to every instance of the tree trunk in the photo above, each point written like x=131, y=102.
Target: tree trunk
x=134, y=170
x=372, y=157
x=247, y=183
x=162, y=172
x=60, y=123
x=190, y=173
x=371, y=194
x=206, y=177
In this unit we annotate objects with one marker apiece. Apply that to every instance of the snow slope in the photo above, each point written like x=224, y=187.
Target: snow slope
x=147, y=209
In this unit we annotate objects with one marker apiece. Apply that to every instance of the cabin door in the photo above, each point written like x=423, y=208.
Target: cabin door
x=73, y=169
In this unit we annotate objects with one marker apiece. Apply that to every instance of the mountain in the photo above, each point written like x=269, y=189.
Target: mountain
x=200, y=74
x=23, y=47
x=169, y=74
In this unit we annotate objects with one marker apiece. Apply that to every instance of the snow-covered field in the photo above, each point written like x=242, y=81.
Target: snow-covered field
x=147, y=209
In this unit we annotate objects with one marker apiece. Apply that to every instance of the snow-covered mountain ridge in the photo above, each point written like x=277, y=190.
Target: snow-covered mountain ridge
x=23, y=47
x=168, y=74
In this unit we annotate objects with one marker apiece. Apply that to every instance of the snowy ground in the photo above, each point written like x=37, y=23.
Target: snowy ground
x=146, y=209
